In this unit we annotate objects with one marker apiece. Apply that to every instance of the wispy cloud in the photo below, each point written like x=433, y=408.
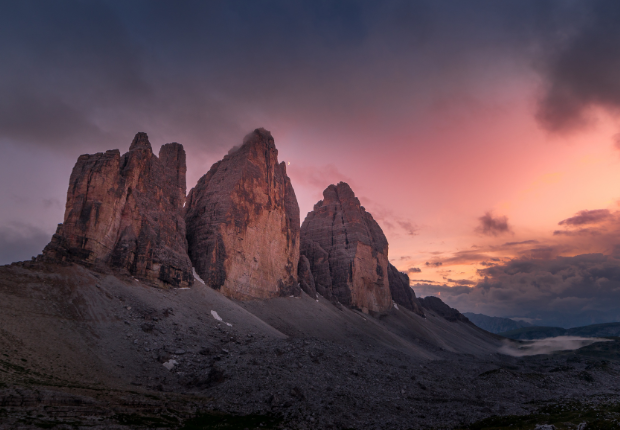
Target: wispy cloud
x=587, y=217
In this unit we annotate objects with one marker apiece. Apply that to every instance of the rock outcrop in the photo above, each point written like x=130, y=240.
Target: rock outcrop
x=243, y=223
x=306, y=280
x=347, y=251
x=436, y=305
x=402, y=294
x=127, y=212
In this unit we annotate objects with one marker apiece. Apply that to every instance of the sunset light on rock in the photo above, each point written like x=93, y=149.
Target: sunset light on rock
x=352, y=200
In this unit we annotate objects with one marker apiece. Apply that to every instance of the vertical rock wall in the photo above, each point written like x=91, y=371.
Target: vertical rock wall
x=126, y=212
x=347, y=251
x=243, y=223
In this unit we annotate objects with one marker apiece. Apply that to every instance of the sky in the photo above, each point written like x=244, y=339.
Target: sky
x=482, y=136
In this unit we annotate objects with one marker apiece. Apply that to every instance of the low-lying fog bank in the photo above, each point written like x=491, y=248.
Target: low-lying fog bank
x=547, y=346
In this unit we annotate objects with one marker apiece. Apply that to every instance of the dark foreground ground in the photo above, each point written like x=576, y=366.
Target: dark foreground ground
x=80, y=349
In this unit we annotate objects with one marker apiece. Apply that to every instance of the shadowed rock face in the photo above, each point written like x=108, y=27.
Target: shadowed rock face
x=243, y=223
x=126, y=212
x=402, y=294
x=306, y=280
x=347, y=251
x=436, y=305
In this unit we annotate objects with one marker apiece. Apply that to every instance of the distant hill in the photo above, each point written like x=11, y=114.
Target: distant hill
x=534, y=332
x=495, y=324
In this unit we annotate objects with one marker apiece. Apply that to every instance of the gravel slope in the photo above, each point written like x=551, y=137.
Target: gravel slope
x=100, y=347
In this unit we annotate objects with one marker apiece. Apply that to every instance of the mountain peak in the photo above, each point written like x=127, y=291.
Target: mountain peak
x=140, y=141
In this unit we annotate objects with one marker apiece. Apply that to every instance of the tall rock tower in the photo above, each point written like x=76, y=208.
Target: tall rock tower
x=347, y=251
x=126, y=212
x=243, y=223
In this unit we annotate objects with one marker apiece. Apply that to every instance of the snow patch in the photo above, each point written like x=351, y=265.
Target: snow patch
x=198, y=277
x=395, y=305
x=219, y=318
x=170, y=364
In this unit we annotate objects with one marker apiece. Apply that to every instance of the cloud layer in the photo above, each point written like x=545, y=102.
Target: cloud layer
x=537, y=282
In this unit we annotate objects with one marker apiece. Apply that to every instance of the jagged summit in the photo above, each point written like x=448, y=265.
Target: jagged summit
x=125, y=212
x=260, y=136
x=243, y=223
x=239, y=227
x=347, y=251
x=140, y=141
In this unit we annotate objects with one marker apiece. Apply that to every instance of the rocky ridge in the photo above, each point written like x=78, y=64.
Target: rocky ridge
x=243, y=238
x=440, y=308
x=402, y=293
x=125, y=212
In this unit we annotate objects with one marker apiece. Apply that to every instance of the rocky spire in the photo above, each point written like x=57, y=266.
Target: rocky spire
x=243, y=223
x=125, y=212
x=140, y=141
x=347, y=251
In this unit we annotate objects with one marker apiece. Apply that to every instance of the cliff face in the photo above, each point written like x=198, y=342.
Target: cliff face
x=126, y=212
x=347, y=251
x=306, y=280
x=243, y=223
x=402, y=294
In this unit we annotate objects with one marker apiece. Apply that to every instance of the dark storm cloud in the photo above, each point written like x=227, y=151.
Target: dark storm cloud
x=565, y=291
x=581, y=67
x=587, y=217
x=81, y=74
x=493, y=226
x=62, y=61
x=462, y=281
x=539, y=282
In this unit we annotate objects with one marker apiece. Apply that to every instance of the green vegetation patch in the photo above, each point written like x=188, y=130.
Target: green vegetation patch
x=209, y=421
x=563, y=416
